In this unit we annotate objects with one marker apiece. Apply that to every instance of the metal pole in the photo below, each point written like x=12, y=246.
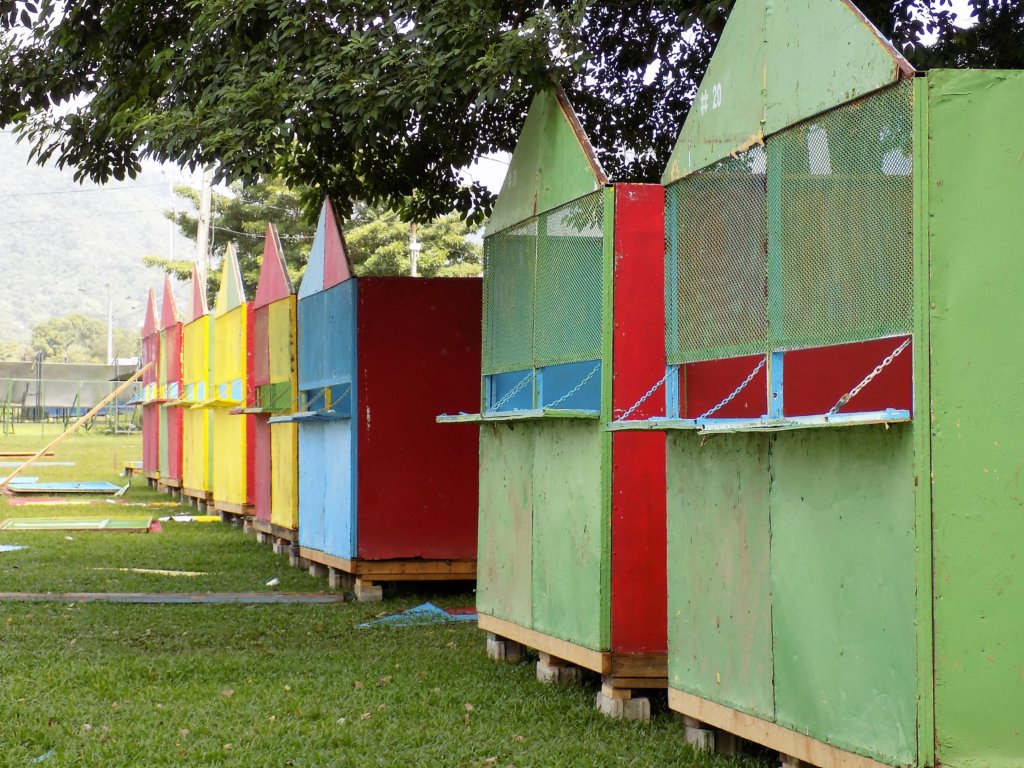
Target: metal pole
x=203, y=228
x=110, y=328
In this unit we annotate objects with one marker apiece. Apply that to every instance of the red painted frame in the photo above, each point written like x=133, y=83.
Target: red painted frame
x=639, y=544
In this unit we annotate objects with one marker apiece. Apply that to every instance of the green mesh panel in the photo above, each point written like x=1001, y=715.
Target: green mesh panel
x=715, y=284
x=841, y=227
x=567, y=324
x=509, y=264
x=275, y=397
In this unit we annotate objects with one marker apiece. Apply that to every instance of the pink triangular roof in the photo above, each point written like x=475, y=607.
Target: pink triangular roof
x=169, y=308
x=336, y=266
x=274, y=282
x=199, y=306
x=149, y=325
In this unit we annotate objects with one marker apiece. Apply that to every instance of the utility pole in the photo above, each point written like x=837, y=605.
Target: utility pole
x=414, y=251
x=203, y=228
x=110, y=327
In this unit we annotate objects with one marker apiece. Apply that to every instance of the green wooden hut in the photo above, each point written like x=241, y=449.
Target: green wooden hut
x=845, y=413
x=572, y=518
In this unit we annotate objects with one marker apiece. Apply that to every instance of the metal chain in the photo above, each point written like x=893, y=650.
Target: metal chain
x=575, y=389
x=644, y=398
x=732, y=395
x=869, y=378
x=512, y=392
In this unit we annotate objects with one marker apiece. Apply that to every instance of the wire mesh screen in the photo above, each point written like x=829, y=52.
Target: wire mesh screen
x=716, y=281
x=510, y=261
x=806, y=241
x=567, y=324
x=543, y=288
x=845, y=224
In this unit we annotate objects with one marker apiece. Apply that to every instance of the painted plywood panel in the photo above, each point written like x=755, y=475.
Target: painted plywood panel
x=312, y=485
x=230, y=351
x=312, y=319
x=262, y=473
x=843, y=588
x=284, y=486
x=505, y=552
x=339, y=489
x=552, y=164
x=719, y=588
x=407, y=374
x=195, y=423
x=570, y=526
x=822, y=53
x=638, y=569
x=194, y=467
x=976, y=120
x=281, y=340
x=229, y=458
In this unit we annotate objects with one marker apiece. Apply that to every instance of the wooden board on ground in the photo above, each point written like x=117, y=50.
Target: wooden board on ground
x=70, y=487
x=250, y=598
x=124, y=524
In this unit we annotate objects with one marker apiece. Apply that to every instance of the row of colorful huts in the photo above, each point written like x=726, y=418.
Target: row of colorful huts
x=753, y=434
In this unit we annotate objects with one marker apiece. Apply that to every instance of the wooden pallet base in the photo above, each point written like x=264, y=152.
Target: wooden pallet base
x=562, y=662
x=795, y=748
x=171, y=486
x=273, y=533
x=364, y=576
x=201, y=500
x=235, y=514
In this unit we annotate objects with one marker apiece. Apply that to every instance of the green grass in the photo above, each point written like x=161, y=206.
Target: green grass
x=265, y=685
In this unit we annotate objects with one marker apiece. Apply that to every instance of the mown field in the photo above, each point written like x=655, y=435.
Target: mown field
x=93, y=684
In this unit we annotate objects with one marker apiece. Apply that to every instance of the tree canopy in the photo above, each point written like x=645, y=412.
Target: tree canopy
x=76, y=338
x=377, y=239
x=385, y=101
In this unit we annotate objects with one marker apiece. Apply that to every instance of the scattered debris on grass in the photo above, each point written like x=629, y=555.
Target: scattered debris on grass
x=428, y=613
x=11, y=547
x=155, y=571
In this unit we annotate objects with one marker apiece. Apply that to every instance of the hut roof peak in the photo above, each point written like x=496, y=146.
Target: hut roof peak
x=168, y=306
x=778, y=63
x=274, y=282
x=149, y=325
x=328, y=263
x=553, y=162
x=231, y=294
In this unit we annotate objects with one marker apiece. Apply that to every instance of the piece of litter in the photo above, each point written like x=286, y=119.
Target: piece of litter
x=11, y=547
x=273, y=582
x=428, y=613
x=70, y=538
x=45, y=756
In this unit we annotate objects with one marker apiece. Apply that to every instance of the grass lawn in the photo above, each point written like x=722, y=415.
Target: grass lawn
x=266, y=685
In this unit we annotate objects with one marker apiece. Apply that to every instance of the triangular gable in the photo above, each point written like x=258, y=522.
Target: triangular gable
x=149, y=324
x=231, y=294
x=169, y=308
x=336, y=266
x=553, y=163
x=780, y=62
x=328, y=258
x=199, y=305
x=274, y=282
